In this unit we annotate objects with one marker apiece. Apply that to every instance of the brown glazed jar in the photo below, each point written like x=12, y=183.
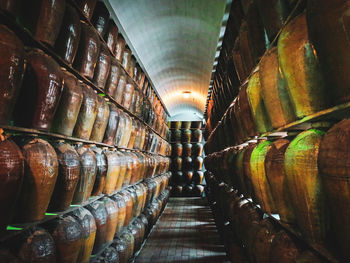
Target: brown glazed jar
x=186, y=125
x=69, y=36
x=119, y=92
x=112, y=126
x=87, y=7
x=87, y=114
x=88, y=171
x=196, y=124
x=127, y=95
x=119, y=48
x=187, y=163
x=186, y=136
x=123, y=169
x=67, y=179
x=127, y=132
x=121, y=205
x=102, y=68
x=88, y=51
x=111, y=35
x=100, y=125
x=187, y=150
x=197, y=149
x=40, y=174
x=100, y=18
x=40, y=93
x=11, y=68
x=100, y=215
x=127, y=58
x=176, y=135
x=68, y=237
x=130, y=243
x=177, y=149
x=44, y=20
x=133, y=134
x=69, y=106
x=198, y=177
x=120, y=129
x=132, y=67
x=129, y=206
x=246, y=114
x=11, y=177
x=121, y=247
x=88, y=225
x=113, y=78
x=198, y=163
x=197, y=135
x=35, y=245
x=112, y=217
x=102, y=167
x=113, y=160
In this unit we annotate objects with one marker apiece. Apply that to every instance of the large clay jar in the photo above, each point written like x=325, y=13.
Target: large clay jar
x=68, y=39
x=121, y=129
x=283, y=249
x=133, y=134
x=40, y=175
x=177, y=164
x=67, y=179
x=11, y=177
x=130, y=243
x=121, y=205
x=197, y=149
x=335, y=178
x=246, y=52
x=304, y=182
x=186, y=125
x=186, y=136
x=257, y=104
x=88, y=51
x=328, y=28
x=176, y=136
x=274, y=90
x=69, y=106
x=120, y=245
x=113, y=172
x=119, y=92
x=129, y=206
x=176, y=125
x=127, y=132
x=87, y=7
x=36, y=245
x=274, y=168
x=40, y=93
x=101, y=121
x=119, y=48
x=127, y=95
x=12, y=68
x=300, y=66
x=111, y=35
x=198, y=177
x=112, y=126
x=87, y=114
x=99, y=212
x=67, y=234
x=112, y=217
x=262, y=188
x=113, y=78
x=247, y=173
x=197, y=135
x=88, y=170
x=263, y=239
x=198, y=163
x=187, y=175
x=88, y=224
x=187, y=150
x=44, y=20
x=126, y=59
x=102, y=68
x=100, y=18
x=187, y=163
x=196, y=124
x=102, y=167
x=177, y=149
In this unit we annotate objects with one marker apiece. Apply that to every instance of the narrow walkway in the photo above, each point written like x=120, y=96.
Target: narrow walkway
x=186, y=232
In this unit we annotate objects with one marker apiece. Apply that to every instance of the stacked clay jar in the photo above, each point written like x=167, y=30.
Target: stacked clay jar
x=187, y=161
x=107, y=228
x=248, y=236
x=39, y=94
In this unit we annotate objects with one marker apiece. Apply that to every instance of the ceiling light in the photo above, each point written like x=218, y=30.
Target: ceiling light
x=186, y=94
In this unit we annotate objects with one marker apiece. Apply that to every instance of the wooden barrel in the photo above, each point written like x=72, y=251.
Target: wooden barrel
x=101, y=121
x=328, y=29
x=87, y=7
x=257, y=104
x=275, y=91
x=40, y=174
x=88, y=171
x=11, y=177
x=69, y=106
x=101, y=173
x=100, y=18
x=68, y=237
x=111, y=35
x=88, y=224
x=274, y=167
x=12, y=68
x=98, y=210
x=112, y=125
x=186, y=136
x=300, y=66
x=40, y=93
x=283, y=249
x=261, y=185
x=45, y=19
x=112, y=217
x=335, y=178
x=67, y=179
x=103, y=67
x=87, y=114
x=88, y=51
x=68, y=38
x=304, y=182
x=36, y=245
x=127, y=95
x=121, y=205
x=119, y=48
x=126, y=58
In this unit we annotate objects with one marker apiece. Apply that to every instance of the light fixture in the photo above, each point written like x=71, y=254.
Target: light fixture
x=186, y=94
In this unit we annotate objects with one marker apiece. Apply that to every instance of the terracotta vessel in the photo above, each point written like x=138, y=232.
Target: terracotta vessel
x=102, y=68
x=101, y=121
x=102, y=167
x=100, y=18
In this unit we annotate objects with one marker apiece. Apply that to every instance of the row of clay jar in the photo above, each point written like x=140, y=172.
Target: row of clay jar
x=38, y=176
x=75, y=236
x=305, y=180
x=176, y=125
x=187, y=163
x=250, y=237
x=51, y=99
x=187, y=190
x=187, y=149
x=186, y=135
x=57, y=24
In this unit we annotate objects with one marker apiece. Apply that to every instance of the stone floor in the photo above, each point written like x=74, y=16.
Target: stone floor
x=186, y=232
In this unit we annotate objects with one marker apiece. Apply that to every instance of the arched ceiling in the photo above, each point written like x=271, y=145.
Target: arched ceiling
x=176, y=42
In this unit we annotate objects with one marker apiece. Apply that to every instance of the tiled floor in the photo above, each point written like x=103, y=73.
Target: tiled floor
x=186, y=232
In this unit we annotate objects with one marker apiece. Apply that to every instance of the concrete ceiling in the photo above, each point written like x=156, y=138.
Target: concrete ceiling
x=176, y=42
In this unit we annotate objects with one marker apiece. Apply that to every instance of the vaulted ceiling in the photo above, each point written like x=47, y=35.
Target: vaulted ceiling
x=176, y=42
